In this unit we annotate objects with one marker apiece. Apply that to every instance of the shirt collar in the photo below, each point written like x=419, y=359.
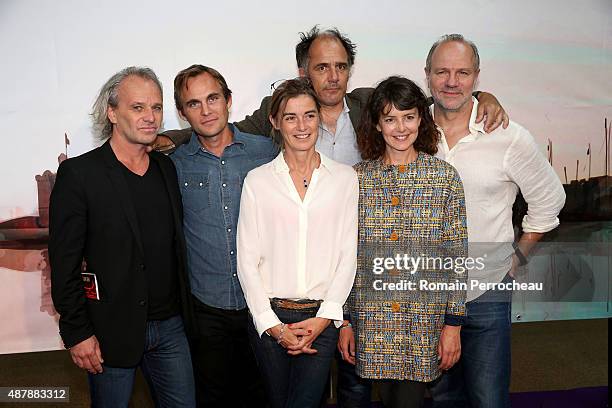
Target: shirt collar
x=194, y=143
x=345, y=112
x=476, y=129
x=346, y=107
x=280, y=165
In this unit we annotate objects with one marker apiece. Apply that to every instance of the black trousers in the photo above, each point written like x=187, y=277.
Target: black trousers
x=226, y=374
x=401, y=394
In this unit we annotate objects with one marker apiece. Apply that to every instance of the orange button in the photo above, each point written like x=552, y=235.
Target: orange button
x=394, y=200
x=401, y=168
x=395, y=307
x=393, y=236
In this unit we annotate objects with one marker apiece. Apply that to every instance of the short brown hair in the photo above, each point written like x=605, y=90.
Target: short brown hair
x=287, y=90
x=193, y=71
x=403, y=94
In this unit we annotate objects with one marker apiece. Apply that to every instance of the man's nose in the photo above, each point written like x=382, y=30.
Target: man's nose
x=205, y=109
x=452, y=80
x=149, y=115
x=334, y=75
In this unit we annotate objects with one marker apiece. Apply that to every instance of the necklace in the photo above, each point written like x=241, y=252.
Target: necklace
x=304, y=176
x=304, y=179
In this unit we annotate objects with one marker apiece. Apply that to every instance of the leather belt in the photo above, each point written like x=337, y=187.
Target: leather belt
x=295, y=304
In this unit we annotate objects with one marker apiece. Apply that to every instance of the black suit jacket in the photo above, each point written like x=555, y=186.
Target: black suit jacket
x=92, y=218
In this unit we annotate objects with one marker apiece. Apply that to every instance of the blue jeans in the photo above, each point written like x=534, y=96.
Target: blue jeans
x=481, y=378
x=294, y=381
x=166, y=365
x=353, y=391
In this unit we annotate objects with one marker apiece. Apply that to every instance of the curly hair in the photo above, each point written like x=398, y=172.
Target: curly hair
x=403, y=94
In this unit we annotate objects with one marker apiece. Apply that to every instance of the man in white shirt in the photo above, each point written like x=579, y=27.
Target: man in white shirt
x=493, y=169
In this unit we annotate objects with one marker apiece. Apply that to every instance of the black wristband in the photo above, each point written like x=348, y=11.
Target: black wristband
x=521, y=257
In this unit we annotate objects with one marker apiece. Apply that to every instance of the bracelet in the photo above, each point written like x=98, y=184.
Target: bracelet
x=346, y=325
x=280, y=335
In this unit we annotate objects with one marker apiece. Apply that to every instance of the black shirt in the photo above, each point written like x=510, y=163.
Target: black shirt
x=157, y=230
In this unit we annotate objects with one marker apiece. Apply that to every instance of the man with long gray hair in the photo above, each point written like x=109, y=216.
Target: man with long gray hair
x=117, y=252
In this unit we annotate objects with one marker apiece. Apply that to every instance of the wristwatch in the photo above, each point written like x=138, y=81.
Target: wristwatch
x=347, y=324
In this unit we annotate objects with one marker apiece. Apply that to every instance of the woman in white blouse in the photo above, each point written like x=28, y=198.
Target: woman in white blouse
x=297, y=247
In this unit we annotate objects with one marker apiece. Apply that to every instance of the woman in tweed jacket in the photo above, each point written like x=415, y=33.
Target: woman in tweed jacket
x=411, y=204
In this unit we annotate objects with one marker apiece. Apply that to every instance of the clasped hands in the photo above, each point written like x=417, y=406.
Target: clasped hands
x=298, y=337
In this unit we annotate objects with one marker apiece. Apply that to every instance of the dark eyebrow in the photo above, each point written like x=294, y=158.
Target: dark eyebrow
x=305, y=113
x=213, y=94
x=191, y=101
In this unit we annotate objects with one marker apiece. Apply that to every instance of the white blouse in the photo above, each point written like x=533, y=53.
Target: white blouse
x=293, y=249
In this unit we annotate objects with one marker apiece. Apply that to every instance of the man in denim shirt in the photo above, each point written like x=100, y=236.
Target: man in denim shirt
x=211, y=168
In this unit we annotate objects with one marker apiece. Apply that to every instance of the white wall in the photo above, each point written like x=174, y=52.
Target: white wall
x=549, y=62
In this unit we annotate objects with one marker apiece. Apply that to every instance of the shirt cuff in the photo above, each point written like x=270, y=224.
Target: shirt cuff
x=454, y=320
x=265, y=320
x=540, y=227
x=332, y=311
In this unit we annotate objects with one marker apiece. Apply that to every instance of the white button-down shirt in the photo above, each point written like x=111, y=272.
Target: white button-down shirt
x=342, y=145
x=293, y=249
x=493, y=167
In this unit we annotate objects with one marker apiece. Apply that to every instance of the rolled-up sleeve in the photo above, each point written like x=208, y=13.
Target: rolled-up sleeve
x=538, y=183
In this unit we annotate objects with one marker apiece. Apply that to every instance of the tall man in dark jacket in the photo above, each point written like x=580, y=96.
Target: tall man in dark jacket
x=118, y=208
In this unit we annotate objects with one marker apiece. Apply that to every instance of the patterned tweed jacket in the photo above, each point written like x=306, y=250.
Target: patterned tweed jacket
x=414, y=211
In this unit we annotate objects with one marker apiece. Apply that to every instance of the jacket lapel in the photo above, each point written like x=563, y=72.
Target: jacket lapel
x=117, y=178
x=354, y=106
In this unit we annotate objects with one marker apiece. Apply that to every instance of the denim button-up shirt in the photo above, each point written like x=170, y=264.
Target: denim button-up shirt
x=211, y=188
